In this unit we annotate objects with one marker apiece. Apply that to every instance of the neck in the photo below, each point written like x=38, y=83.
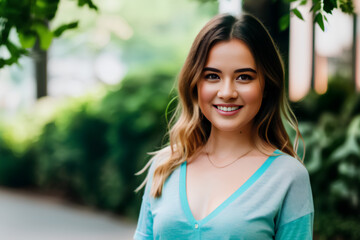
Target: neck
x=222, y=144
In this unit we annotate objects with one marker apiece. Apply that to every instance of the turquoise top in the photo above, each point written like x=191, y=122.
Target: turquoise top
x=274, y=203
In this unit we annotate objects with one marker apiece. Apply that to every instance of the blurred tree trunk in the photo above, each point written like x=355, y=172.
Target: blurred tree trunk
x=269, y=12
x=40, y=61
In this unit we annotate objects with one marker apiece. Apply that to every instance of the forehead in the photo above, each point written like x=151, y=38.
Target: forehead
x=230, y=54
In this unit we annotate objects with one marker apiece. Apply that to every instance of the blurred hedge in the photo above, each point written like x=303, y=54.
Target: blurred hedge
x=89, y=150
x=330, y=125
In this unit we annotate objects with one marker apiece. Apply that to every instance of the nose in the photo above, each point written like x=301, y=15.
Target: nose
x=227, y=90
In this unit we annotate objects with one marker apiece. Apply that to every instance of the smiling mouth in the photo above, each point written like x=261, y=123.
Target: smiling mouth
x=228, y=109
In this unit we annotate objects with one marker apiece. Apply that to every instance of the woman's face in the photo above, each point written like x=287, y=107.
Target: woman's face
x=230, y=90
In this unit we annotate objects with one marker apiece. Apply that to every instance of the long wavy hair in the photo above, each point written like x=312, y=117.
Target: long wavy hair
x=189, y=130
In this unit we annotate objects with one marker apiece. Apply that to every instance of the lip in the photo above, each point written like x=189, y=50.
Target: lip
x=228, y=105
x=224, y=113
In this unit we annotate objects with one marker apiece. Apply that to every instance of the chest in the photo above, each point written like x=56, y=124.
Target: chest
x=239, y=217
x=207, y=187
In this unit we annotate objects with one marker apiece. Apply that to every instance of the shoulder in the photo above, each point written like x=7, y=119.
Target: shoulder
x=161, y=156
x=290, y=168
x=293, y=185
x=157, y=158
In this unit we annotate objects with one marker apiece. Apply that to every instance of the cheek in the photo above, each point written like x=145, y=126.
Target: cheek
x=205, y=94
x=252, y=94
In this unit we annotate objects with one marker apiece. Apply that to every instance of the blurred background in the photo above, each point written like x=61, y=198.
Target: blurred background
x=83, y=107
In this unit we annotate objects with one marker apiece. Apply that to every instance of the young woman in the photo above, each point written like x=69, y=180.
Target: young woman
x=230, y=171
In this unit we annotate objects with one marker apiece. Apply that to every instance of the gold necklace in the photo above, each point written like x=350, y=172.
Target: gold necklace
x=212, y=163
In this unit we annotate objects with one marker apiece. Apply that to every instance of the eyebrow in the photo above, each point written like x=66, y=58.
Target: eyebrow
x=236, y=71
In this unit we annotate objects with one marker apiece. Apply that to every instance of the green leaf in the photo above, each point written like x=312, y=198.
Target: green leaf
x=4, y=33
x=297, y=13
x=315, y=7
x=15, y=53
x=30, y=18
x=345, y=150
x=65, y=27
x=329, y=5
x=284, y=22
x=27, y=40
x=12, y=49
x=326, y=18
x=319, y=20
x=46, y=9
x=347, y=6
x=92, y=5
x=303, y=2
x=87, y=2
x=44, y=34
x=2, y=63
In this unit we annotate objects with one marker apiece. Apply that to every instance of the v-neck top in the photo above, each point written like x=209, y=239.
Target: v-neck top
x=274, y=203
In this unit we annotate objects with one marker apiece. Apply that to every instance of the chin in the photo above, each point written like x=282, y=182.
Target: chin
x=225, y=128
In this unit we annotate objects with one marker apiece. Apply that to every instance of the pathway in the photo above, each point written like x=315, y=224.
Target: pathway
x=30, y=217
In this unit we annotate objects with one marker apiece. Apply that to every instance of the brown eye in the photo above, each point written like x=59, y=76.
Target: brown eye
x=212, y=76
x=244, y=77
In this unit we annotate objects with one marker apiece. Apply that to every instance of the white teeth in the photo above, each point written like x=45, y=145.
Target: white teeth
x=227, y=109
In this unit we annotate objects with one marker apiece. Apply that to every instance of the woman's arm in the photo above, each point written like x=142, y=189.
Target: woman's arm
x=299, y=229
x=144, y=230
x=296, y=216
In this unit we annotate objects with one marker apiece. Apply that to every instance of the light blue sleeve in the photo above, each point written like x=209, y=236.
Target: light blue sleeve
x=144, y=230
x=296, y=217
x=299, y=229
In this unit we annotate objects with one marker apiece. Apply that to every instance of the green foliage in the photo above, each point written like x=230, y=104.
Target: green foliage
x=89, y=3
x=297, y=13
x=331, y=129
x=284, y=22
x=30, y=18
x=319, y=8
x=16, y=170
x=335, y=227
x=322, y=7
x=91, y=149
x=57, y=32
x=319, y=19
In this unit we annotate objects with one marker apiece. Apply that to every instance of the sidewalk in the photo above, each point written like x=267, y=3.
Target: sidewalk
x=30, y=217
